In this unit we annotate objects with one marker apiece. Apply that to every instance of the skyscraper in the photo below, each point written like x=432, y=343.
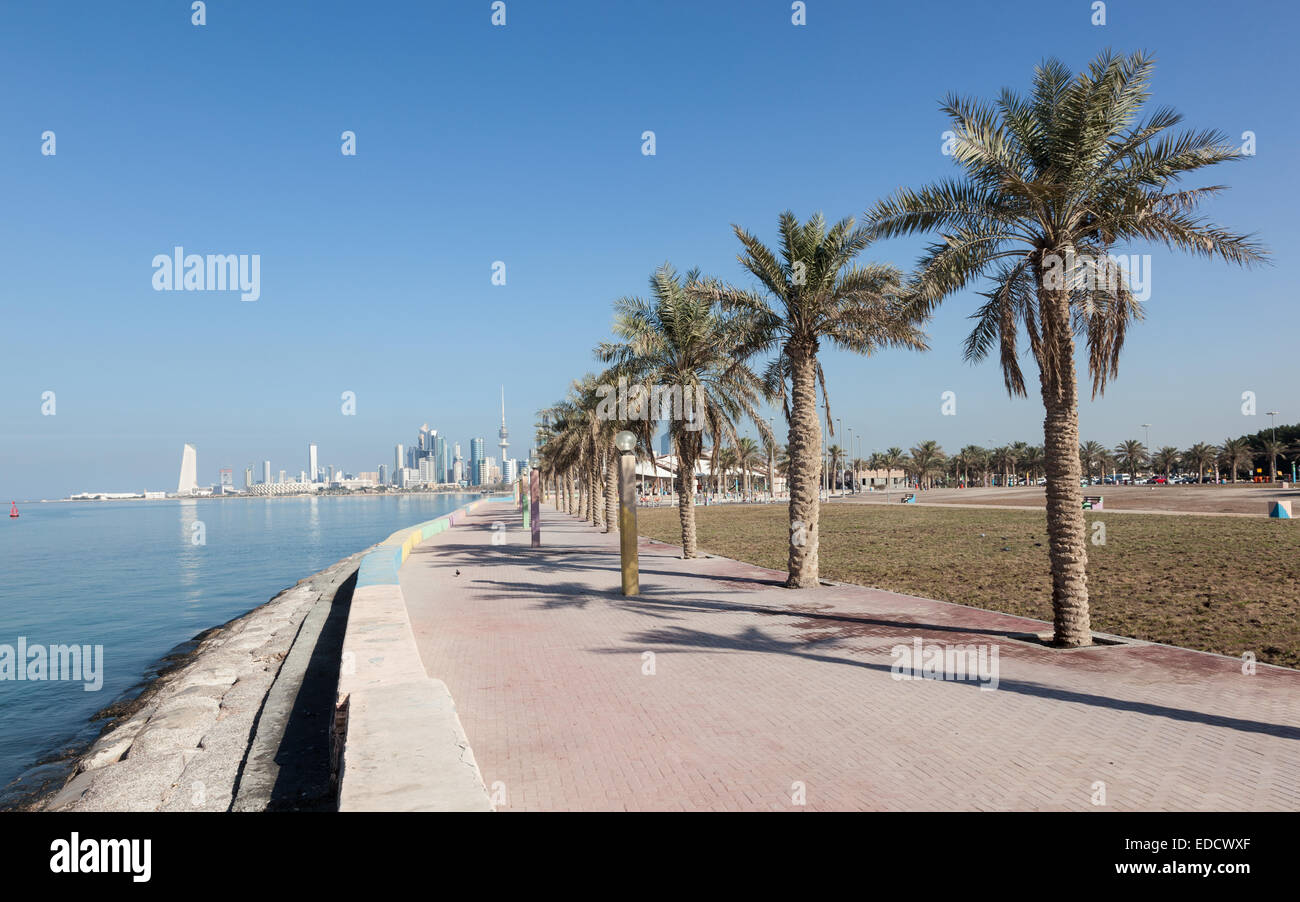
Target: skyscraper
x=399, y=461
x=438, y=451
x=266, y=472
x=311, y=462
x=189, y=471
x=503, y=434
x=475, y=456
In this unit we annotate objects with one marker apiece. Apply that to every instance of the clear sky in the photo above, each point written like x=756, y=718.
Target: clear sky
x=522, y=144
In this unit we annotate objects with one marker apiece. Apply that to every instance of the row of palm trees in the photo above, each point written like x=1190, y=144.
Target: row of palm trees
x=973, y=465
x=1048, y=182
x=1233, y=457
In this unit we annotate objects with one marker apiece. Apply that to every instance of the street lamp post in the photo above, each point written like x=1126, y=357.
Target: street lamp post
x=535, y=502
x=852, y=468
x=771, y=453
x=625, y=442
x=1272, y=458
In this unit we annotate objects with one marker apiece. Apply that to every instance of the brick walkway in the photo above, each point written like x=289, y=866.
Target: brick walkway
x=758, y=689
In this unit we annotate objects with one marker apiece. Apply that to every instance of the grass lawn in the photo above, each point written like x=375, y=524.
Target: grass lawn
x=1220, y=584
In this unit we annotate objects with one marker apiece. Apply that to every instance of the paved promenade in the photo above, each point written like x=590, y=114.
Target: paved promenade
x=762, y=697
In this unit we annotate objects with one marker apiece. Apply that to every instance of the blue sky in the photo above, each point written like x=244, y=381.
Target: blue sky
x=522, y=144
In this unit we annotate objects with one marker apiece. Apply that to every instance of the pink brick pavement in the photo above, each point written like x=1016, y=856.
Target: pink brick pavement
x=758, y=688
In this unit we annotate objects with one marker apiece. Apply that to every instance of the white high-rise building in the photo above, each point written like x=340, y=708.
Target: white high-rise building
x=189, y=480
x=399, y=463
x=266, y=472
x=509, y=470
x=311, y=462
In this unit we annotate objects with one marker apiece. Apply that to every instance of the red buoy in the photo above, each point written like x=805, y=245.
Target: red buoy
x=13, y=508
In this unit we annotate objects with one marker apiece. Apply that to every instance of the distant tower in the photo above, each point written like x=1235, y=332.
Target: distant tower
x=266, y=472
x=503, y=433
x=189, y=480
x=311, y=462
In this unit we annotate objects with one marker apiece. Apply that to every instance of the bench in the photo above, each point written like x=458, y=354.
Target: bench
x=908, y=499
x=1092, y=502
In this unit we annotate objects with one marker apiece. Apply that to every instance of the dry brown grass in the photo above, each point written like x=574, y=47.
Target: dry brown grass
x=1219, y=584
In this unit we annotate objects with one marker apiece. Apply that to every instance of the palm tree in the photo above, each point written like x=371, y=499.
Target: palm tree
x=1092, y=454
x=1235, y=454
x=1272, y=450
x=892, y=459
x=723, y=464
x=814, y=292
x=1033, y=462
x=1052, y=183
x=1132, y=454
x=680, y=341
x=973, y=457
x=836, y=455
x=1004, y=461
x=1165, y=460
x=748, y=456
x=1200, y=456
x=927, y=459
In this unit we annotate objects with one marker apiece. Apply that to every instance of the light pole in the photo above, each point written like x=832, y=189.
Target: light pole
x=535, y=501
x=852, y=467
x=625, y=442
x=1147, y=427
x=771, y=454
x=1272, y=458
x=857, y=456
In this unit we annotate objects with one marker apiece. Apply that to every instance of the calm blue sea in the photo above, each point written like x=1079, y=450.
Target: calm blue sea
x=127, y=575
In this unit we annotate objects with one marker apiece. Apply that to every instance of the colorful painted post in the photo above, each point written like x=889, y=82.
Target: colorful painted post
x=535, y=502
x=525, y=506
x=626, y=443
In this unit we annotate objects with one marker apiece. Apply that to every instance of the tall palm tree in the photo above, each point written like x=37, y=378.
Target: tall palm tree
x=680, y=340
x=721, y=464
x=1200, y=455
x=748, y=456
x=892, y=459
x=1092, y=454
x=1165, y=459
x=813, y=292
x=927, y=460
x=836, y=459
x=1033, y=462
x=973, y=457
x=1235, y=454
x=1052, y=182
x=1272, y=450
x=1003, y=460
x=1132, y=454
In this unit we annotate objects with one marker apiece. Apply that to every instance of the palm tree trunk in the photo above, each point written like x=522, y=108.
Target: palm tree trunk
x=611, y=490
x=805, y=465
x=593, y=491
x=1066, y=528
x=570, y=504
x=686, y=502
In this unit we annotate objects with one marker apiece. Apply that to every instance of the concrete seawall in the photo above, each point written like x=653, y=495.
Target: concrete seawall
x=399, y=744
x=233, y=728
x=316, y=700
